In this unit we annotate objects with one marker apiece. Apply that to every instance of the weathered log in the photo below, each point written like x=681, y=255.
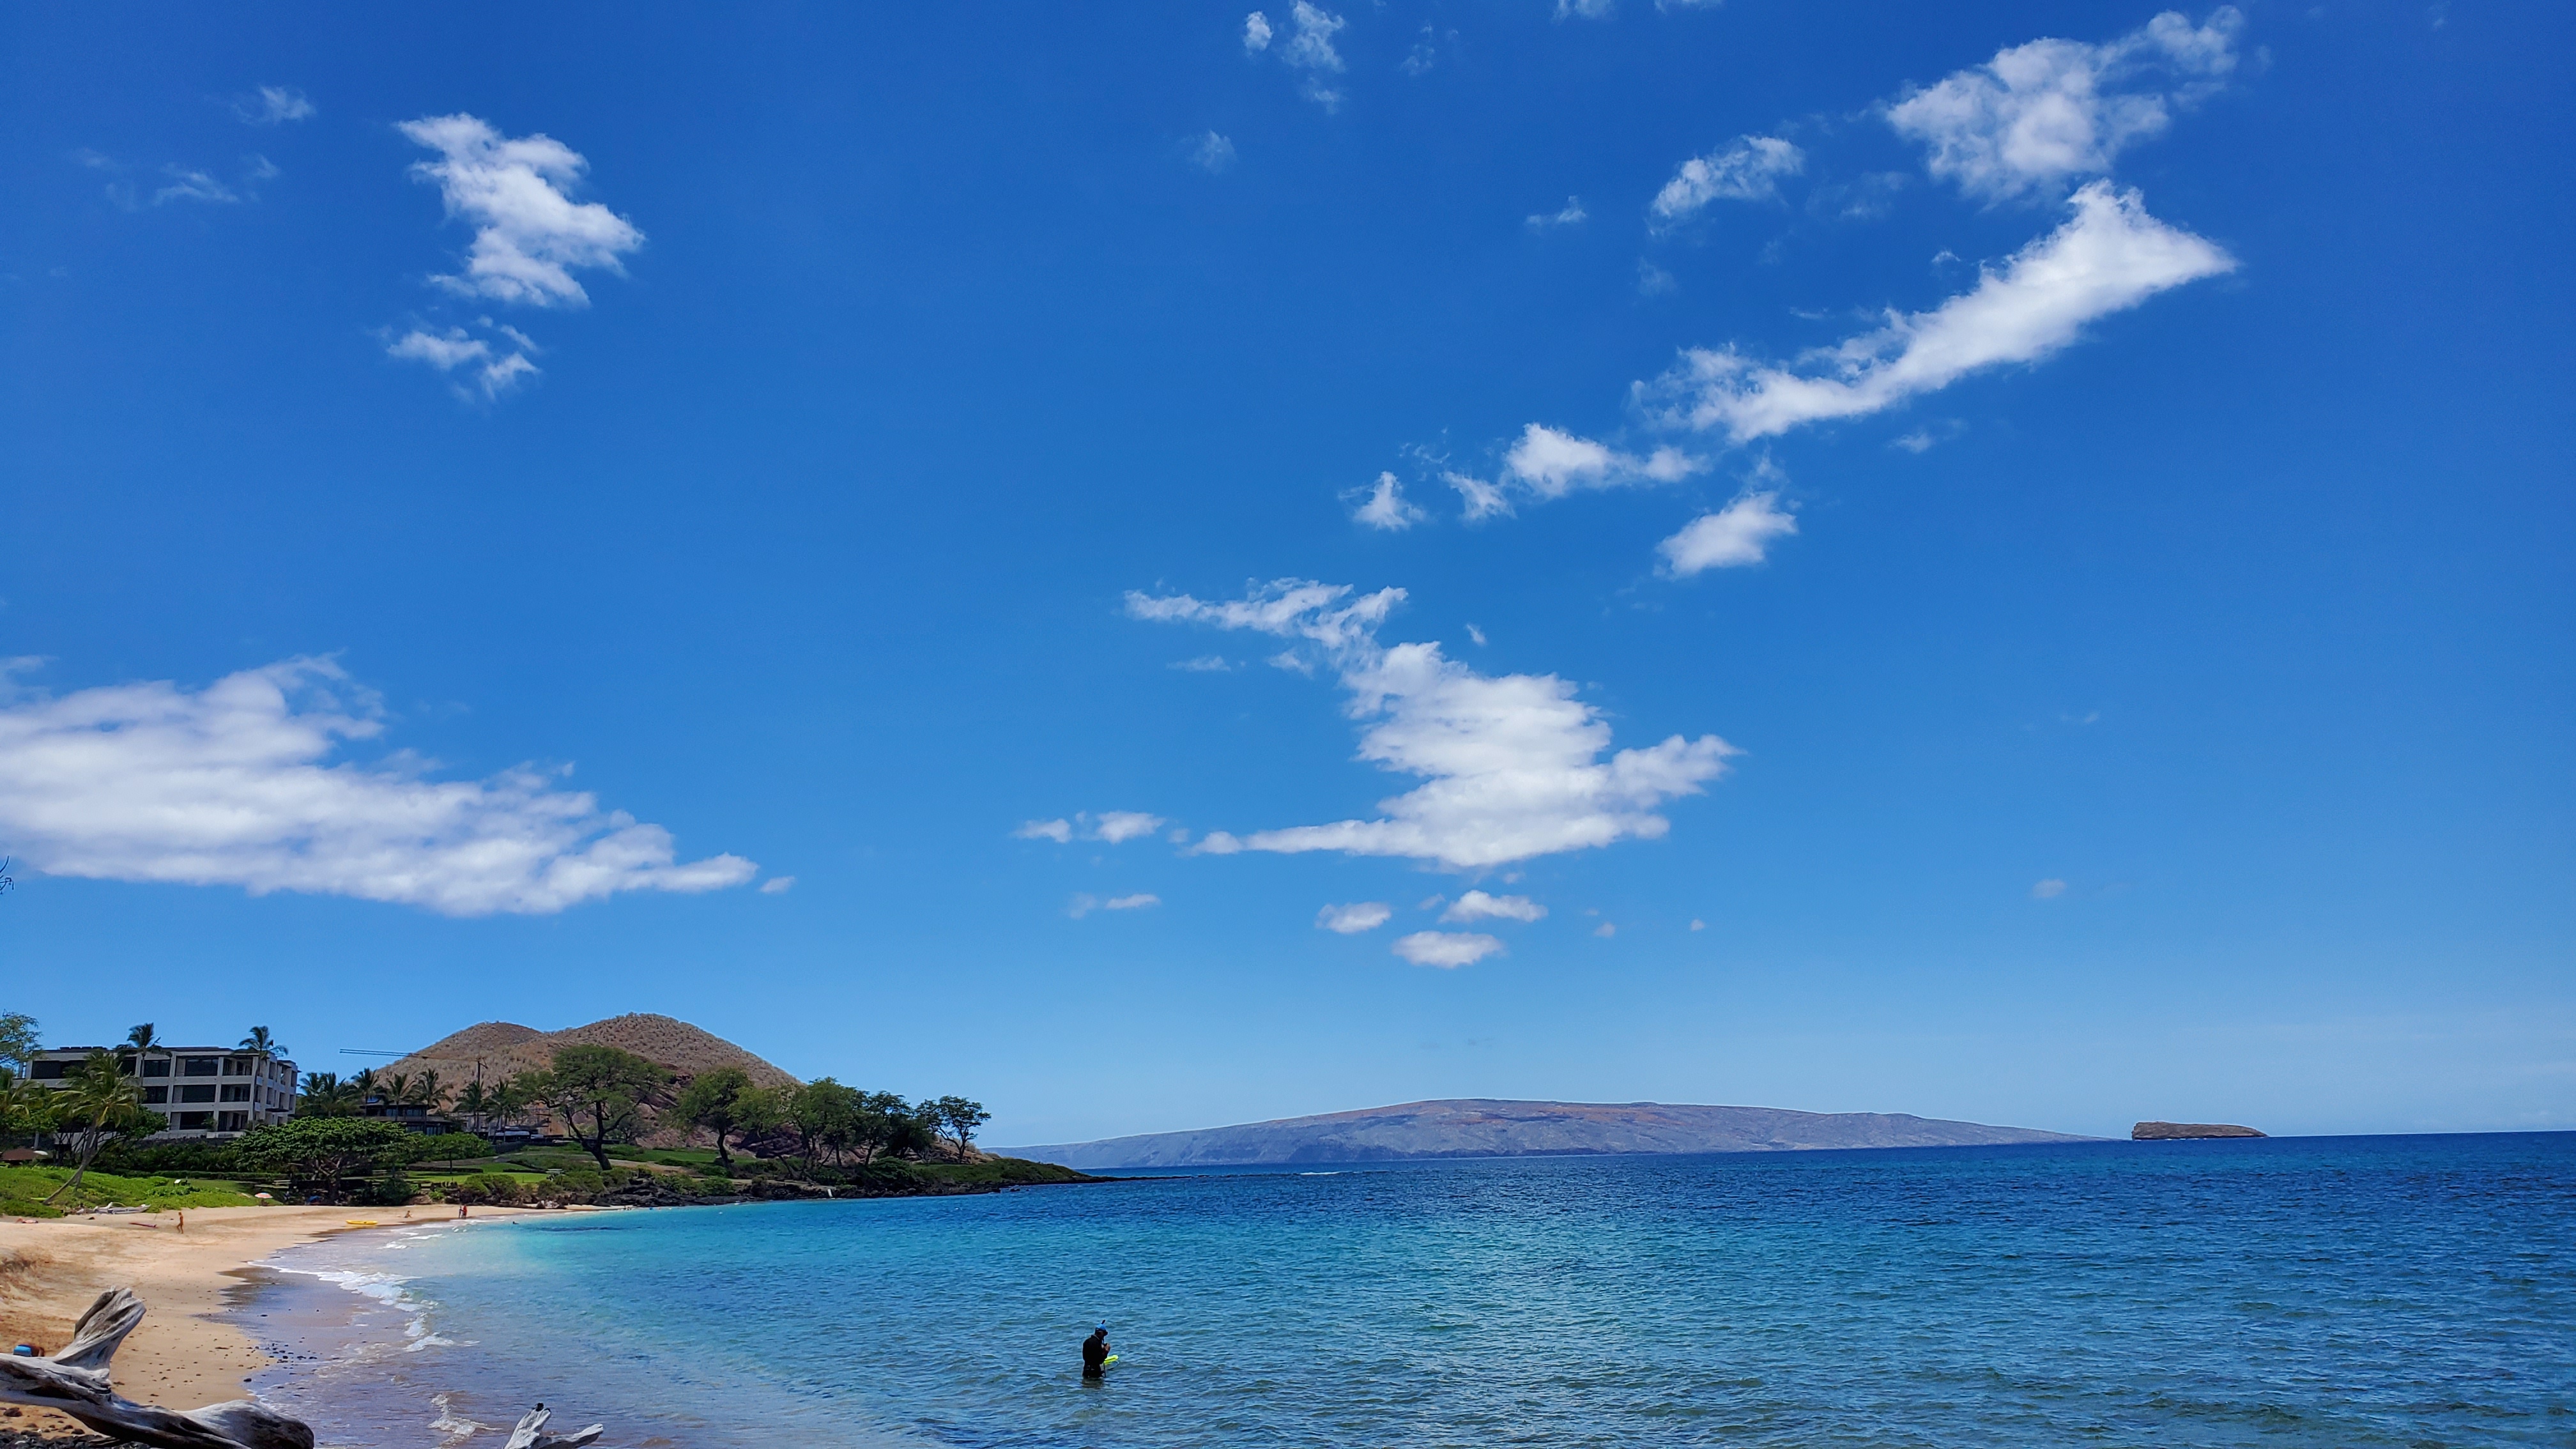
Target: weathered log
x=531, y=1433
x=75, y=1382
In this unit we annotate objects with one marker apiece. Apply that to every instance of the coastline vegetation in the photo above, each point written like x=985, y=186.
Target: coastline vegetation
x=353, y=1140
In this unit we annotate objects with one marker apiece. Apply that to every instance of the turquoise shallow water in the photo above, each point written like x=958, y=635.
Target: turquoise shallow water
x=2340, y=1291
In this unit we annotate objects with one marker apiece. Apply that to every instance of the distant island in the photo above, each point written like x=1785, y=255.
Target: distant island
x=1484, y=1127
x=2187, y=1131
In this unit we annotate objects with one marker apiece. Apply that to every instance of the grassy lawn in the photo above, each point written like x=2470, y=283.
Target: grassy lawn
x=24, y=1189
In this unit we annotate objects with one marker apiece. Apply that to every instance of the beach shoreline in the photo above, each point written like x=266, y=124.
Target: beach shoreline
x=191, y=1350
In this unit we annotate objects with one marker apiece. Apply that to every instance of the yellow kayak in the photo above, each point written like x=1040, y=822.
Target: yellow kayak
x=362, y=1222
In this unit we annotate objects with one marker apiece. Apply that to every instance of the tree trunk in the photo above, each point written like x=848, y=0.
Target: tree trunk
x=75, y=1382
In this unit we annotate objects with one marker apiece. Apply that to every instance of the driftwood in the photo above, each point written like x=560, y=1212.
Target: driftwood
x=531, y=1433
x=74, y=1382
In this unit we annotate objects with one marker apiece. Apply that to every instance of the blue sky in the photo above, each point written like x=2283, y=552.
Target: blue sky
x=1158, y=569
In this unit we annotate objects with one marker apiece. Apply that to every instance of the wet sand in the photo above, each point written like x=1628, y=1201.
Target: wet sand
x=188, y=1351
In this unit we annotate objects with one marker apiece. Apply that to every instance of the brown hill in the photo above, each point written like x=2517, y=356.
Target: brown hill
x=503, y=1048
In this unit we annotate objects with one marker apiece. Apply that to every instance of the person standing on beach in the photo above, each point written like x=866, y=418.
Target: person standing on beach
x=1095, y=1352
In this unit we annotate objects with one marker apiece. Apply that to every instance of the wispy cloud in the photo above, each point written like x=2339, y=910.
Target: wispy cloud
x=1447, y=950
x=1570, y=214
x=1109, y=827
x=1512, y=765
x=2042, y=114
x=1212, y=153
x=1084, y=904
x=492, y=370
x=1733, y=537
x=1352, y=919
x=1546, y=463
x=1478, y=906
x=529, y=232
x=1748, y=168
x=274, y=105
x=189, y=185
x=2047, y=890
x=1385, y=507
x=2110, y=255
x=234, y=784
x=1307, y=50
x=778, y=885
x=1207, y=664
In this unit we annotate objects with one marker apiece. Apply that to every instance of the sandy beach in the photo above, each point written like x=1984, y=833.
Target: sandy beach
x=185, y=1354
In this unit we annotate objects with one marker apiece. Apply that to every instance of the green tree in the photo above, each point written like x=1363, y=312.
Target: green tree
x=97, y=1100
x=142, y=1038
x=605, y=1095
x=822, y=1113
x=959, y=1118
x=259, y=1041
x=426, y=1092
x=24, y=1106
x=19, y=1042
x=323, y=1151
x=448, y=1147
x=719, y=1101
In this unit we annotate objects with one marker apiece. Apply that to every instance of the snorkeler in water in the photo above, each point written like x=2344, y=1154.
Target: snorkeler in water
x=1095, y=1353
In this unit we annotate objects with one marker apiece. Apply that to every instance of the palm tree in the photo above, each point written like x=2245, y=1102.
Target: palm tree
x=260, y=1041
x=395, y=1086
x=325, y=1095
x=98, y=1100
x=142, y=1038
x=425, y=1090
x=474, y=1102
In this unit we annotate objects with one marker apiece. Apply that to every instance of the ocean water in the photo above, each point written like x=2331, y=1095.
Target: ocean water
x=2319, y=1291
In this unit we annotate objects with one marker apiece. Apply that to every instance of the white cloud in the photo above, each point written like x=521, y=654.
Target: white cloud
x=274, y=105
x=231, y=785
x=1748, y=168
x=2041, y=114
x=1482, y=500
x=186, y=185
x=1571, y=214
x=1212, y=153
x=1654, y=281
x=2047, y=890
x=1605, y=930
x=493, y=371
x=1350, y=920
x=1588, y=9
x=1547, y=464
x=529, y=234
x=260, y=168
x=1697, y=924
x=2108, y=257
x=1478, y=906
x=1476, y=634
x=1110, y=827
x=1733, y=536
x=778, y=885
x=1512, y=765
x=1447, y=950
x=1114, y=826
x=1136, y=902
x=1206, y=664
x=1385, y=507
x=1308, y=48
